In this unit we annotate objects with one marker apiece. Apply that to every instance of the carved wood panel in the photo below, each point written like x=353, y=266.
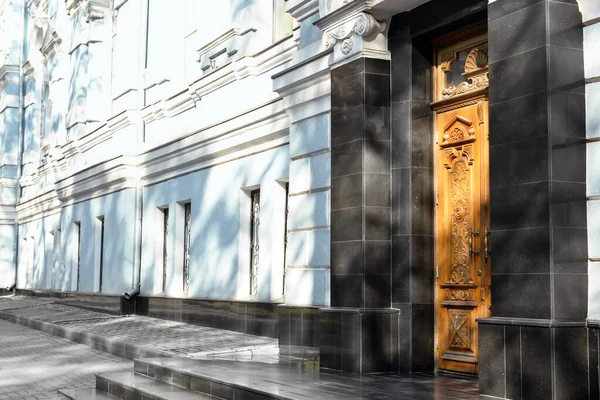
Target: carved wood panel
x=461, y=215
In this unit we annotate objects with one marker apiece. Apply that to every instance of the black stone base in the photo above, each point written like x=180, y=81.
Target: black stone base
x=359, y=340
x=299, y=330
x=246, y=317
x=537, y=359
x=110, y=304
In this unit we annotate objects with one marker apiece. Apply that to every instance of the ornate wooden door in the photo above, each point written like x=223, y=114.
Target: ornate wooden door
x=462, y=203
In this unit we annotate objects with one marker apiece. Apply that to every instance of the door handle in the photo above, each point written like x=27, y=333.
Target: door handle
x=486, y=248
x=471, y=234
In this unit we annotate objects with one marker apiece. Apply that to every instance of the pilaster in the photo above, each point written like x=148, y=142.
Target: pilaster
x=89, y=50
x=538, y=204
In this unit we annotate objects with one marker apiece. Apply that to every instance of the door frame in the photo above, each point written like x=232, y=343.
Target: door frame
x=470, y=35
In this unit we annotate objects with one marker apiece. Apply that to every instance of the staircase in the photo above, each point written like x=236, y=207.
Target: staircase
x=174, y=378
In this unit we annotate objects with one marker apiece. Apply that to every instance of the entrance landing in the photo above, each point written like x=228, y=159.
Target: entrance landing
x=282, y=377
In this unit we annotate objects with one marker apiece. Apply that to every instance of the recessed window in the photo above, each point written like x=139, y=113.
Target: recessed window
x=77, y=250
x=285, y=232
x=165, y=241
x=100, y=250
x=187, y=213
x=254, y=241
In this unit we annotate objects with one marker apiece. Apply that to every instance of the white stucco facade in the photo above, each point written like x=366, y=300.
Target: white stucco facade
x=123, y=115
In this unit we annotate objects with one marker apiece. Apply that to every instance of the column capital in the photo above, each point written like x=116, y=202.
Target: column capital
x=352, y=31
x=92, y=9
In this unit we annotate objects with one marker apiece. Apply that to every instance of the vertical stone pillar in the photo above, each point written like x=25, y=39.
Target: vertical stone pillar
x=359, y=333
x=538, y=204
x=412, y=196
x=305, y=89
x=89, y=90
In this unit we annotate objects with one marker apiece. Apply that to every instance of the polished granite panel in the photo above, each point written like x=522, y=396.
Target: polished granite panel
x=293, y=378
x=253, y=318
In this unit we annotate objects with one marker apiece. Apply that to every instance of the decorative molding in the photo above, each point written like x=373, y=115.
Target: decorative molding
x=353, y=32
x=362, y=24
x=5, y=73
x=233, y=44
x=302, y=9
x=93, y=10
x=476, y=72
x=51, y=46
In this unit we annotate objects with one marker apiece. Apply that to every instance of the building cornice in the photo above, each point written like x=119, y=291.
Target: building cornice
x=302, y=9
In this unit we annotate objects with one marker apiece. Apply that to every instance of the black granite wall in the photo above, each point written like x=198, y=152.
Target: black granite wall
x=359, y=333
x=538, y=205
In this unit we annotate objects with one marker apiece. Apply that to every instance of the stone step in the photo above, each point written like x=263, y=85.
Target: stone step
x=192, y=374
x=129, y=385
x=281, y=377
x=86, y=394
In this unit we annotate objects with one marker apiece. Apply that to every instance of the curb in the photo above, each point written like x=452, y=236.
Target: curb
x=116, y=347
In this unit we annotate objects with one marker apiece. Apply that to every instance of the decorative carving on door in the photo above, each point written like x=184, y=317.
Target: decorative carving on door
x=462, y=174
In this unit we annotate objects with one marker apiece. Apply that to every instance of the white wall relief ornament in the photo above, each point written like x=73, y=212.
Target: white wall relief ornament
x=362, y=25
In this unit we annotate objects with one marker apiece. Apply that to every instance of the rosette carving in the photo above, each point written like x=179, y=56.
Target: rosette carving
x=476, y=72
x=362, y=25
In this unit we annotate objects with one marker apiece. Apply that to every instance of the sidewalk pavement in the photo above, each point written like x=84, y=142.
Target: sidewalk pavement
x=35, y=365
x=128, y=336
